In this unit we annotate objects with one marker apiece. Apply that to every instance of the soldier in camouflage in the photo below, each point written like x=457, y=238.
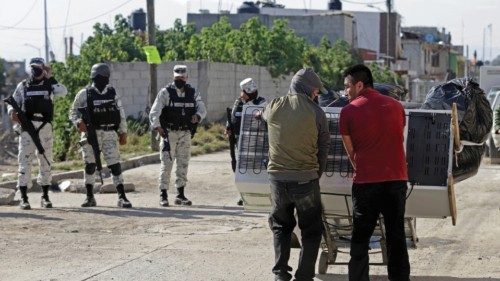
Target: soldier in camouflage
x=249, y=96
x=108, y=117
x=35, y=97
x=175, y=114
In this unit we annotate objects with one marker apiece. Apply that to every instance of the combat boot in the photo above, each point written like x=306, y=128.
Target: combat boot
x=45, y=202
x=180, y=199
x=24, y=205
x=122, y=198
x=164, y=198
x=90, y=200
x=240, y=202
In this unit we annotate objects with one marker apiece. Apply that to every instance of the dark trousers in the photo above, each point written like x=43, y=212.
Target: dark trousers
x=306, y=199
x=369, y=200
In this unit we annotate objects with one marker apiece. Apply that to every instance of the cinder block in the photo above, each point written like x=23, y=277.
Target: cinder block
x=140, y=66
x=131, y=75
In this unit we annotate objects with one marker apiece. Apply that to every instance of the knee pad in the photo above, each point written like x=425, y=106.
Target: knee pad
x=90, y=168
x=116, y=169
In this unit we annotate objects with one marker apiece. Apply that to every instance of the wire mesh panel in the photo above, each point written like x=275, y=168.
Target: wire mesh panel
x=338, y=161
x=253, y=143
x=428, y=148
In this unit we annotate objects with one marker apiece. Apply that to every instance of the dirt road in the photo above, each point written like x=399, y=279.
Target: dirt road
x=216, y=240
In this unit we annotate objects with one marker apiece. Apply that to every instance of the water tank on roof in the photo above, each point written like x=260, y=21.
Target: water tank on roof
x=248, y=7
x=138, y=20
x=335, y=5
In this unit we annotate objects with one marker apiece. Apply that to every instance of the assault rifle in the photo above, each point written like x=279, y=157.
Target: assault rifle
x=27, y=126
x=232, y=138
x=92, y=138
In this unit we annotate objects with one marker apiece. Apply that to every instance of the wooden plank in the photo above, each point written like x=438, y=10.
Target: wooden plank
x=454, y=127
x=452, y=200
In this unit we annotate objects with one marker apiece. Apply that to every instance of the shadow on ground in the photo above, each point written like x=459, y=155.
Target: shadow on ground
x=25, y=215
x=343, y=277
x=181, y=213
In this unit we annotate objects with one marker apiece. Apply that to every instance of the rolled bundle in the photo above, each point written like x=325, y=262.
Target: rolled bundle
x=394, y=91
x=475, y=119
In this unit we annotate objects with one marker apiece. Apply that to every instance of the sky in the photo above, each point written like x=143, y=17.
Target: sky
x=22, y=22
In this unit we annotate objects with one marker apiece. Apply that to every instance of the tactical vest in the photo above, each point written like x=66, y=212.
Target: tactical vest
x=38, y=104
x=105, y=114
x=238, y=104
x=179, y=111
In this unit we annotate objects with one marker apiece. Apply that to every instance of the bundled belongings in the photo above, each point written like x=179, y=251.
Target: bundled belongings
x=475, y=119
x=394, y=91
x=332, y=99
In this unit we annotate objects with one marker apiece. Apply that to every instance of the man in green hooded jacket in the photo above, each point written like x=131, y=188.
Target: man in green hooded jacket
x=299, y=141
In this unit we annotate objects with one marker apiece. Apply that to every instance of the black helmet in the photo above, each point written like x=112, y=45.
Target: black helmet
x=37, y=61
x=100, y=69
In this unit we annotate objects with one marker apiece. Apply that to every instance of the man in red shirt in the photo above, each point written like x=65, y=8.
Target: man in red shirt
x=372, y=128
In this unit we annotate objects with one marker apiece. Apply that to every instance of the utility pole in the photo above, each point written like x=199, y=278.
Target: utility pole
x=388, y=3
x=467, y=61
x=71, y=45
x=46, y=33
x=153, y=88
x=491, y=42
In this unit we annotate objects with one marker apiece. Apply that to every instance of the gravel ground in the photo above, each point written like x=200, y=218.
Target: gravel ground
x=215, y=239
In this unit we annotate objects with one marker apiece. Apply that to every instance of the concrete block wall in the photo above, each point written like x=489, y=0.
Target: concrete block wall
x=131, y=81
x=218, y=84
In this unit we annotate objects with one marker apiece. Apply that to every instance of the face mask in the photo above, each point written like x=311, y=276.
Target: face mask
x=100, y=82
x=179, y=84
x=36, y=72
x=252, y=96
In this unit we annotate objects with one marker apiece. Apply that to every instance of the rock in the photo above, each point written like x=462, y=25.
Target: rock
x=110, y=188
x=75, y=186
x=78, y=186
x=7, y=196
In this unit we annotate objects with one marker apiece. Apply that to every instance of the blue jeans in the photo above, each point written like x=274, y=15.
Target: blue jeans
x=306, y=199
x=370, y=200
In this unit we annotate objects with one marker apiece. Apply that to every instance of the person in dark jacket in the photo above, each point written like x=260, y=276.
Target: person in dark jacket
x=299, y=141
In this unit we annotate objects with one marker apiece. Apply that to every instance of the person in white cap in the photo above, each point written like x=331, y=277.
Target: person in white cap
x=175, y=115
x=34, y=96
x=249, y=96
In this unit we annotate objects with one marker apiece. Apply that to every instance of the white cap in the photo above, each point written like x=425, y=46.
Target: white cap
x=180, y=71
x=248, y=86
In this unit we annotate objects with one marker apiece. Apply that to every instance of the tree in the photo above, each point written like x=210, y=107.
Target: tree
x=286, y=49
x=278, y=48
x=384, y=75
x=211, y=43
x=330, y=61
x=173, y=44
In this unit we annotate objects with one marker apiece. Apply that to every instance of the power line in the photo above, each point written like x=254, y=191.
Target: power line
x=75, y=23
x=21, y=20
x=66, y=20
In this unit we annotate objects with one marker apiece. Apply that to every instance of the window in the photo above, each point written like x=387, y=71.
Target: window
x=435, y=59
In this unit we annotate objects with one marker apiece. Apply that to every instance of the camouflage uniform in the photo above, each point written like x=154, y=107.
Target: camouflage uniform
x=103, y=110
x=27, y=149
x=108, y=140
x=179, y=140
